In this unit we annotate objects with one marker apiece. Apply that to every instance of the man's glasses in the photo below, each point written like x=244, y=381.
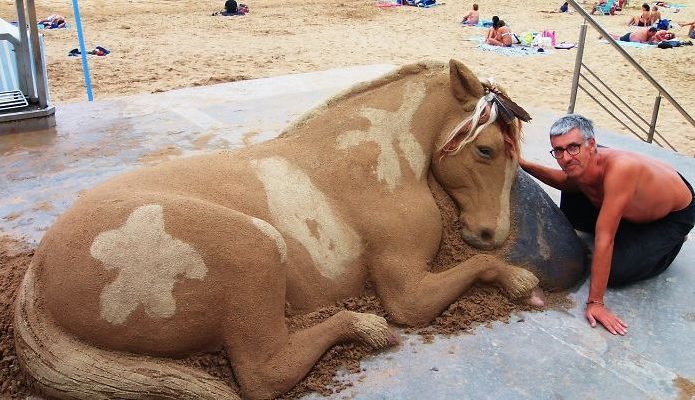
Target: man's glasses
x=573, y=149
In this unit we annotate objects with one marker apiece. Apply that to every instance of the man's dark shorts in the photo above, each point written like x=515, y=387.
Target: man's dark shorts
x=640, y=251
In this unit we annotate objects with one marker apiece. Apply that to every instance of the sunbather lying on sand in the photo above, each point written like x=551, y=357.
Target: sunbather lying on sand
x=648, y=35
x=53, y=22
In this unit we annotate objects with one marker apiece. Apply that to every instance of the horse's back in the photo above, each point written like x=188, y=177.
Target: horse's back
x=152, y=271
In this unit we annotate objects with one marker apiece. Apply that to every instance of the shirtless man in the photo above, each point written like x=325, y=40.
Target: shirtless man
x=641, y=36
x=473, y=16
x=639, y=209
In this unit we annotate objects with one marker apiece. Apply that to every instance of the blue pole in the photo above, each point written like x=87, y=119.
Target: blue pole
x=83, y=50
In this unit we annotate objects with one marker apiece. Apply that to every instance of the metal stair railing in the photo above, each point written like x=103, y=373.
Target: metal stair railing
x=648, y=132
x=661, y=91
x=12, y=99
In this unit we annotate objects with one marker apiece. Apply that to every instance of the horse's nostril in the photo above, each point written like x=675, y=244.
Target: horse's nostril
x=486, y=235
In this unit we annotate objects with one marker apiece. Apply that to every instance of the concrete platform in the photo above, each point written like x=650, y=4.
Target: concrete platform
x=549, y=355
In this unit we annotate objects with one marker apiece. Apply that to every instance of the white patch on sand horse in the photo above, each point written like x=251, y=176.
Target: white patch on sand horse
x=387, y=128
x=272, y=233
x=292, y=200
x=148, y=261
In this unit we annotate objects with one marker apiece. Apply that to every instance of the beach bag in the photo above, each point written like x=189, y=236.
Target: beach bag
x=662, y=25
x=527, y=39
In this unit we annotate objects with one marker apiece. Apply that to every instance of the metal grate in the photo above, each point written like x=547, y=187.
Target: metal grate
x=12, y=99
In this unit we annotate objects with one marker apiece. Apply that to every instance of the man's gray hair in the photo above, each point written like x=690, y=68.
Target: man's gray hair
x=571, y=121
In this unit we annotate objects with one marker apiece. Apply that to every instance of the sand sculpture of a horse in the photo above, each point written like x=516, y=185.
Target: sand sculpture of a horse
x=211, y=251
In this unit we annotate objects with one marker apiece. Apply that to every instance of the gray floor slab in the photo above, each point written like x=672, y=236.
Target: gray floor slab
x=548, y=355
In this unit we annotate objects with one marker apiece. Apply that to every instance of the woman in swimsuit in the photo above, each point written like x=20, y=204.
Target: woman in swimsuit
x=492, y=32
x=643, y=19
x=503, y=36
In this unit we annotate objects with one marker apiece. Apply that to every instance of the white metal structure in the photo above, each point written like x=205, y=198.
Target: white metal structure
x=24, y=101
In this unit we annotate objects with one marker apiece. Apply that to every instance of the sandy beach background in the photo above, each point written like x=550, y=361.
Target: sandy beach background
x=161, y=45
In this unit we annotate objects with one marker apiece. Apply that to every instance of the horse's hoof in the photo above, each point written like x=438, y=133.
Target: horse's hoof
x=518, y=282
x=373, y=330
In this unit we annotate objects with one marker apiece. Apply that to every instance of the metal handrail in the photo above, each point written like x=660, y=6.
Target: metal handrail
x=615, y=106
x=625, y=106
x=623, y=123
x=623, y=112
x=617, y=97
x=662, y=91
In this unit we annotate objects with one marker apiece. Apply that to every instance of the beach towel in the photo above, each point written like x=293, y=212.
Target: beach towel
x=515, y=50
x=483, y=23
x=631, y=44
x=421, y=3
x=42, y=26
x=667, y=5
x=387, y=3
x=608, y=8
x=47, y=27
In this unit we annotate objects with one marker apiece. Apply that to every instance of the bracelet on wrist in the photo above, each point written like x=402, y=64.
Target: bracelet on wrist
x=595, y=302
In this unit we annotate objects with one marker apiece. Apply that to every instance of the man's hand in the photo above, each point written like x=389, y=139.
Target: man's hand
x=597, y=312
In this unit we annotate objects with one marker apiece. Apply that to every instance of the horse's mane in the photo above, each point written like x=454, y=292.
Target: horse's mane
x=484, y=115
x=409, y=69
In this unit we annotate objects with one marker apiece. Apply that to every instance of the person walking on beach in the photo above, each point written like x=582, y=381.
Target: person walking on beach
x=640, y=210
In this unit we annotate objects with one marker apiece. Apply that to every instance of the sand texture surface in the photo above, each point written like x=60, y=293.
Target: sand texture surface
x=161, y=45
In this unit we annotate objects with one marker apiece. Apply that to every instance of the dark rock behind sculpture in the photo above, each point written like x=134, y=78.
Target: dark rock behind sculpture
x=545, y=241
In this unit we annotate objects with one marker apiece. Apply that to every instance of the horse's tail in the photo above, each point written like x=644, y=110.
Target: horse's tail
x=66, y=368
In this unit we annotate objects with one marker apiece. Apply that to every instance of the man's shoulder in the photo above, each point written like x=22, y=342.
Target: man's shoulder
x=623, y=162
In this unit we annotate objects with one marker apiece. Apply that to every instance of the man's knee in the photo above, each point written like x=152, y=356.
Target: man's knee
x=627, y=271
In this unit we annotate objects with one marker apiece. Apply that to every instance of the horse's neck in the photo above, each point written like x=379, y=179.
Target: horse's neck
x=384, y=116
x=385, y=130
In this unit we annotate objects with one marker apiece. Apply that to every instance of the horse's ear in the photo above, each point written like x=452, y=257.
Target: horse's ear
x=466, y=87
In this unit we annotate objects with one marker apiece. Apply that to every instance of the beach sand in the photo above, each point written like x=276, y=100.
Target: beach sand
x=161, y=45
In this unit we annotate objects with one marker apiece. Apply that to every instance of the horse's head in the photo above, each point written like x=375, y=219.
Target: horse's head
x=476, y=159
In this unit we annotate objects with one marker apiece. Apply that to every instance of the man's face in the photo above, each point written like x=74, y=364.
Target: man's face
x=571, y=142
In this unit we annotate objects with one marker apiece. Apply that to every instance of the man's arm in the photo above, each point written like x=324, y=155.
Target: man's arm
x=552, y=177
x=619, y=186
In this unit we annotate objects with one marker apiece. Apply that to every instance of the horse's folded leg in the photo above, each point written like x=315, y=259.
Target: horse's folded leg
x=264, y=371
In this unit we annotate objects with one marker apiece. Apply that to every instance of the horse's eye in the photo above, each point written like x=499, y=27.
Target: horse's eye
x=484, y=151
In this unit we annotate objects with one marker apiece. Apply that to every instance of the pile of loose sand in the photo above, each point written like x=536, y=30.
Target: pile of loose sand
x=14, y=260
x=159, y=45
